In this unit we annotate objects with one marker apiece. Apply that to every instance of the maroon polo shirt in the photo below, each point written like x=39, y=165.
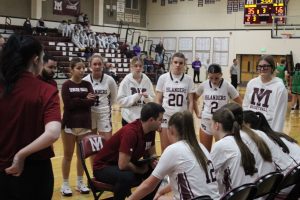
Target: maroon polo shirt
x=130, y=140
x=24, y=114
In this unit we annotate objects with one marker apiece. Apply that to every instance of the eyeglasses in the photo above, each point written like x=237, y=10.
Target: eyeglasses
x=263, y=67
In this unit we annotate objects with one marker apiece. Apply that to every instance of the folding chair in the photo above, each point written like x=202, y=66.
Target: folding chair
x=290, y=179
x=90, y=145
x=243, y=192
x=203, y=197
x=268, y=184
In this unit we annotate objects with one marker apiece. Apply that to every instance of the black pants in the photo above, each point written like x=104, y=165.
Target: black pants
x=35, y=183
x=196, y=74
x=124, y=122
x=234, y=80
x=123, y=181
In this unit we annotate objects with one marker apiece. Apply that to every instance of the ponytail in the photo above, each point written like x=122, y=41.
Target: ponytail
x=263, y=148
x=15, y=58
x=230, y=125
x=184, y=124
x=263, y=125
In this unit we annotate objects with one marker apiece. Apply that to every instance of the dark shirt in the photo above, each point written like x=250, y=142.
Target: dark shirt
x=159, y=48
x=77, y=108
x=24, y=113
x=131, y=140
x=50, y=81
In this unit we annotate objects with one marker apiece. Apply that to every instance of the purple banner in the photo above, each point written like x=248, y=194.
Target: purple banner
x=66, y=7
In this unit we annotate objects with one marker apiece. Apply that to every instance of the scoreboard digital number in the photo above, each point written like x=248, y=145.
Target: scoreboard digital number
x=258, y=12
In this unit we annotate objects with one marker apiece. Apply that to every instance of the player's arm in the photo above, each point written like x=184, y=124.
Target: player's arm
x=238, y=100
x=145, y=188
x=159, y=97
x=196, y=108
x=191, y=102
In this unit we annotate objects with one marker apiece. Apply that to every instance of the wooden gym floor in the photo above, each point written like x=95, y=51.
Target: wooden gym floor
x=292, y=127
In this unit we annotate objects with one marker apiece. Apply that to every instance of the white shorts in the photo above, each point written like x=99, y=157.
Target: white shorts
x=165, y=121
x=77, y=131
x=205, y=125
x=101, y=121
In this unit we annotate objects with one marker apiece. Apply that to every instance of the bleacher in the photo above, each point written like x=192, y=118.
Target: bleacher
x=64, y=50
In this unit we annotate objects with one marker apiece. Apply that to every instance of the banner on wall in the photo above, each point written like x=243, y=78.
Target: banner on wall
x=66, y=7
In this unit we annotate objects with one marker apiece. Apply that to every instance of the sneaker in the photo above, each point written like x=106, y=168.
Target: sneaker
x=292, y=110
x=82, y=188
x=66, y=191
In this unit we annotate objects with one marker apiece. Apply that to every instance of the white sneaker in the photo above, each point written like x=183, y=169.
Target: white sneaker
x=82, y=188
x=66, y=191
x=292, y=111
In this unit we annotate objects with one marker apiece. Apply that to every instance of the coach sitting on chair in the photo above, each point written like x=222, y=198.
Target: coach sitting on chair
x=116, y=163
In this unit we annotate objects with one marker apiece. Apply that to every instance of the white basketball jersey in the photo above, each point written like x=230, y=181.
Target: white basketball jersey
x=187, y=177
x=282, y=160
x=226, y=157
x=106, y=91
x=263, y=167
x=214, y=97
x=175, y=92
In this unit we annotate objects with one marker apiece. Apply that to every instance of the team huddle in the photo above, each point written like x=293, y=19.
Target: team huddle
x=243, y=151
x=249, y=142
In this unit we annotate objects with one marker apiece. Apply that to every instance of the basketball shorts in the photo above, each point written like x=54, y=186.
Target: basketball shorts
x=296, y=89
x=165, y=121
x=205, y=125
x=101, y=121
x=77, y=131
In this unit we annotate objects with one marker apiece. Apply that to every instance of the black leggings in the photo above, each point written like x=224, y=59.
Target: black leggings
x=35, y=183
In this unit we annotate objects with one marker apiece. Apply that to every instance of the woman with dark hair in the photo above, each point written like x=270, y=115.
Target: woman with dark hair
x=31, y=123
x=288, y=145
x=259, y=148
x=233, y=161
x=267, y=94
x=216, y=92
x=78, y=97
x=191, y=171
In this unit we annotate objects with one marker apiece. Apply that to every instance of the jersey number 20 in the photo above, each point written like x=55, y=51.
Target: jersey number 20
x=175, y=100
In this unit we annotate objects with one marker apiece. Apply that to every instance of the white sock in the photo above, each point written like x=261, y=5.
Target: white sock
x=79, y=179
x=65, y=182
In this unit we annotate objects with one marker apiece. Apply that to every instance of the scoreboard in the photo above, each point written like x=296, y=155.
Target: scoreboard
x=261, y=12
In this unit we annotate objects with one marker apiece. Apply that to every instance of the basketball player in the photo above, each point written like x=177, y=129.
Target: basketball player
x=174, y=93
x=258, y=147
x=105, y=89
x=191, y=171
x=135, y=90
x=78, y=99
x=216, y=92
x=295, y=87
x=288, y=145
x=233, y=161
x=267, y=94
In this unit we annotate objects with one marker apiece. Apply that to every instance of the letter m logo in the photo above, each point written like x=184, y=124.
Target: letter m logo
x=260, y=97
x=96, y=143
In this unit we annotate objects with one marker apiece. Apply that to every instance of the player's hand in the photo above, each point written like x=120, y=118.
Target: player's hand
x=153, y=163
x=143, y=169
x=91, y=96
x=145, y=94
x=16, y=167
